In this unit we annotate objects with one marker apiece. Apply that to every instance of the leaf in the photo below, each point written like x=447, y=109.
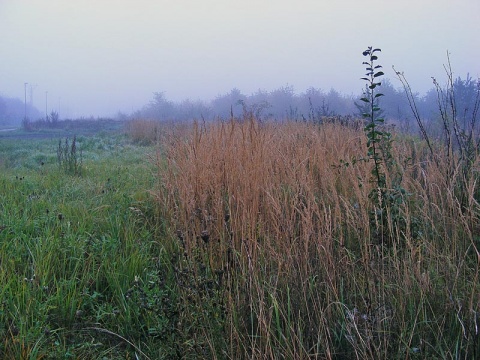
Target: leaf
x=365, y=79
x=378, y=95
x=380, y=73
x=375, y=50
x=366, y=52
x=378, y=67
x=365, y=100
x=374, y=57
x=373, y=86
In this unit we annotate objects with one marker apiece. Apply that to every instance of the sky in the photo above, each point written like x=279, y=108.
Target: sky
x=98, y=57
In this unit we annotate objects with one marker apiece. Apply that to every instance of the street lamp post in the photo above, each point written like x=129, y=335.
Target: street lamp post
x=46, y=105
x=25, y=85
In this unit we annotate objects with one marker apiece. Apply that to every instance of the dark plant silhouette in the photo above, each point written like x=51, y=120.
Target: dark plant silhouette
x=68, y=157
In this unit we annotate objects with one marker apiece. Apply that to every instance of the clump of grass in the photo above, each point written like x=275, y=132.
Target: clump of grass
x=292, y=235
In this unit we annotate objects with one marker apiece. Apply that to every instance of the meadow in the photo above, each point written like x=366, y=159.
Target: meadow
x=237, y=239
x=74, y=248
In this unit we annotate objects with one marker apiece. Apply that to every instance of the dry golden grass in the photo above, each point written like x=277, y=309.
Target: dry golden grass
x=271, y=208
x=144, y=131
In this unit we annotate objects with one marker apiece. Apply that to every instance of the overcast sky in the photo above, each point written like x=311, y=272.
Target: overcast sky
x=95, y=57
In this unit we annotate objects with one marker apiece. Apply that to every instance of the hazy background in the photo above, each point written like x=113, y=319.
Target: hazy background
x=100, y=57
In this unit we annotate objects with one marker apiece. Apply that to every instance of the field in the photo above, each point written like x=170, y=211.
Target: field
x=236, y=239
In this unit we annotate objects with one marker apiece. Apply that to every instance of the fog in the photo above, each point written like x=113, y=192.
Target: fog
x=100, y=57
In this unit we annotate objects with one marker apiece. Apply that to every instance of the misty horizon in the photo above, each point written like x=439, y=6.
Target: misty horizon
x=98, y=59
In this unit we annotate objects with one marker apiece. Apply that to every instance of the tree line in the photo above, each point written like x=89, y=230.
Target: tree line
x=284, y=103
x=314, y=104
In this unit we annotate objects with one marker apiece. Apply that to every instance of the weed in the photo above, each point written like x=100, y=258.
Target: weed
x=68, y=158
x=460, y=138
x=386, y=196
x=376, y=137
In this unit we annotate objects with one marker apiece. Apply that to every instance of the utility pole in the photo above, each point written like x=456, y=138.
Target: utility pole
x=32, y=87
x=25, y=85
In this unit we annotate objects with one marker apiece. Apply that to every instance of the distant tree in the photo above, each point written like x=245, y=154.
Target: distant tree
x=282, y=101
x=224, y=105
x=121, y=116
x=428, y=105
x=467, y=94
x=158, y=109
x=395, y=106
x=54, y=118
x=161, y=107
x=189, y=109
x=309, y=103
x=12, y=111
x=262, y=97
x=255, y=109
x=333, y=104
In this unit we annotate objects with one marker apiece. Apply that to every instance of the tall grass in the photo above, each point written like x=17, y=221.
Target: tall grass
x=270, y=216
x=143, y=131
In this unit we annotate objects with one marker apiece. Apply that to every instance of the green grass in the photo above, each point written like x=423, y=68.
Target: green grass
x=82, y=273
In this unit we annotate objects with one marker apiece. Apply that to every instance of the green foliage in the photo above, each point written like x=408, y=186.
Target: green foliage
x=387, y=194
x=82, y=274
x=376, y=137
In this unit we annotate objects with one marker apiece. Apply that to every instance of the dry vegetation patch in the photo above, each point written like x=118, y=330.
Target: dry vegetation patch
x=279, y=214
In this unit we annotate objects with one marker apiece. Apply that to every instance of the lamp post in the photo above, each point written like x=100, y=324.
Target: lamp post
x=25, y=86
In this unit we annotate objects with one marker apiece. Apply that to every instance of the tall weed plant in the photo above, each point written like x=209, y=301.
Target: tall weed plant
x=69, y=158
x=459, y=139
x=387, y=194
